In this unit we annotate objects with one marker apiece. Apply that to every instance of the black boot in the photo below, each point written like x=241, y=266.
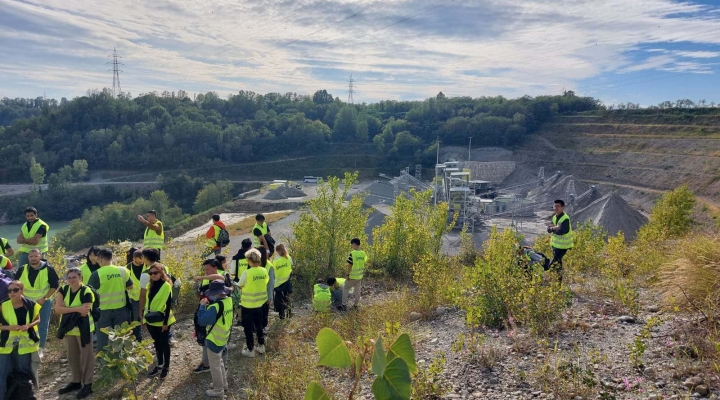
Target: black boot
x=84, y=392
x=70, y=387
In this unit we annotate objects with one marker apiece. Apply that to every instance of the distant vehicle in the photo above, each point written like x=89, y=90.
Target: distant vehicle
x=310, y=179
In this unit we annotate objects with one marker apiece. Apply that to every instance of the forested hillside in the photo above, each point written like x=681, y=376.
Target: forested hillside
x=171, y=130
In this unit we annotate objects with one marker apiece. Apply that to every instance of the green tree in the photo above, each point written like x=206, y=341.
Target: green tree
x=37, y=173
x=322, y=235
x=80, y=170
x=671, y=217
x=413, y=230
x=213, y=195
x=345, y=128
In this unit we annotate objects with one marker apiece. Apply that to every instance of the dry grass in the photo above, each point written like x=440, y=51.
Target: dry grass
x=692, y=279
x=246, y=224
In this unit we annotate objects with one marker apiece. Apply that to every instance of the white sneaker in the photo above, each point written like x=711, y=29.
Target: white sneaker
x=260, y=349
x=248, y=353
x=215, y=393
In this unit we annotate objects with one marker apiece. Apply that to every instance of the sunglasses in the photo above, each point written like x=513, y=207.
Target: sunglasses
x=153, y=273
x=16, y=290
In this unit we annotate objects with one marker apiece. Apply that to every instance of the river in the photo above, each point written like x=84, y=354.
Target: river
x=10, y=232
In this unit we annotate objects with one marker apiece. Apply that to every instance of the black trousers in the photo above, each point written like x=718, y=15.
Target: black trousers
x=282, y=300
x=556, y=262
x=161, y=340
x=253, y=322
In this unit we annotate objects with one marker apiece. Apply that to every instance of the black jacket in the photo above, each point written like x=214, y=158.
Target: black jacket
x=71, y=321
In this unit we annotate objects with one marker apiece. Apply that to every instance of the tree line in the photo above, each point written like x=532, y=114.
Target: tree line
x=172, y=130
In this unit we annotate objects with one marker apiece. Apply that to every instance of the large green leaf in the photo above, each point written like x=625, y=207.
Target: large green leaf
x=402, y=348
x=316, y=392
x=379, y=362
x=395, y=383
x=332, y=349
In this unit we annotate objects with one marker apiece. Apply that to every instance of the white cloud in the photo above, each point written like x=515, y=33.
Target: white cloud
x=472, y=47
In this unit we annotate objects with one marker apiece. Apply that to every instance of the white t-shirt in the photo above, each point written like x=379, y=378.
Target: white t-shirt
x=243, y=279
x=144, y=280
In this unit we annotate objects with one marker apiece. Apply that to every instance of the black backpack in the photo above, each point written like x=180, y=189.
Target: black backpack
x=271, y=243
x=224, y=238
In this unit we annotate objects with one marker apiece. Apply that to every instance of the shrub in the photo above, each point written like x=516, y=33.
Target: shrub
x=497, y=289
x=670, y=218
x=413, y=229
x=123, y=358
x=434, y=275
x=429, y=383
x=322, y=235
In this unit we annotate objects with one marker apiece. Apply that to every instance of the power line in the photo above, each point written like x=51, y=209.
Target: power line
x=116, y=90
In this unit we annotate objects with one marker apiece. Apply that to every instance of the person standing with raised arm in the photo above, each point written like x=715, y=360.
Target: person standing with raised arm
x=154, y=237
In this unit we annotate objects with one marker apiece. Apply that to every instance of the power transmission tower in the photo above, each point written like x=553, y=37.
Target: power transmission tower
x=351, y=90
x=116, y=90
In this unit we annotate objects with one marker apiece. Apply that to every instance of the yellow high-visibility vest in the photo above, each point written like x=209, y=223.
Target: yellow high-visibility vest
x=42, y=283
x=263, y=229
x=562, y=241
x=42, y=244
x=25, y=345
x=112, y=287
x=322, y=298
x=159, y=303
x=254, y=293
x=220, y=332
x=134, y=292
x=359, y=258
x=283, y=269
x=77, y=302
x=152, y=240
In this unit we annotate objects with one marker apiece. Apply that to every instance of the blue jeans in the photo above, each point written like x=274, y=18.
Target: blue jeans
x=135, y=316
x=109, y=319
x=13, y=362
x=45, y=313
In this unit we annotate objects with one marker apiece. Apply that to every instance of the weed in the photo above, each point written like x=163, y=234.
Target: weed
x=428, y=383
x=639, y=344
x=479, y=350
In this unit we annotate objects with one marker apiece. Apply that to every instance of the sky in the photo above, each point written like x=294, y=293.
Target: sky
x=640, y=51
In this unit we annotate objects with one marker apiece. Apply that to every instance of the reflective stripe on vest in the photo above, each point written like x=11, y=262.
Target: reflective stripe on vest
x=562, y=241
x=77, y=302
x=263, y=230
x=212, y=242
x=42, y=284
x=254, y=293
x=158, y=303
x=25, y=344
x=42, y=244
x=220, y=332
x=133, y=293
x=112, y=287
x=358, y=267
x=322, y=298
x=283, y=269
x=152, y=240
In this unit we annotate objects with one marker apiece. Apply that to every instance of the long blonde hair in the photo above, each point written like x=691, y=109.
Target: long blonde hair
x=281, y=250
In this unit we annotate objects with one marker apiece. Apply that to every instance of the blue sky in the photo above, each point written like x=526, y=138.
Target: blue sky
x=642, y=51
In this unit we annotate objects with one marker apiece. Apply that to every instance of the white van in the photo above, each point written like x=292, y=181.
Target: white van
x=310, y=179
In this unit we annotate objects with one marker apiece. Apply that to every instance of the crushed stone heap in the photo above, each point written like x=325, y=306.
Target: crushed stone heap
x=614, y=214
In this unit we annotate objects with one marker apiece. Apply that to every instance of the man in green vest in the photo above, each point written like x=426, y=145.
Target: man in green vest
x=328, y=293
x=356, y=270
x=212, y=235
x=33, y=234
x=40, y=281
x=562, y=235
x=154, y=237
x=254, y=302
x=111, y=283
x=260, y=229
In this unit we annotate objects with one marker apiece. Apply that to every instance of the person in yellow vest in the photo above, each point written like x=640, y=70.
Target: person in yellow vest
x=75, y=305
x=254, y=301
x=158, y=317
x=5, y=248
x=135, y=269
x=212, y=271
x=270, y=268
x=6, y=266
x=260, y=229
x=215, y=313
x=111, y=282
x=91, y=264
x=33, y=234
x=322, y=296
x=212, y=235
x=282, y=286
x=154, y=237
x=18, y=334
x=40, y=281
x=356, y=270
x=561, y=238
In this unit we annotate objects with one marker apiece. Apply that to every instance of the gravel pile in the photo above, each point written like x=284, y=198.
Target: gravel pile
x=557, y=189
x=275, y=194
x=614, y=214
x=292, y=192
